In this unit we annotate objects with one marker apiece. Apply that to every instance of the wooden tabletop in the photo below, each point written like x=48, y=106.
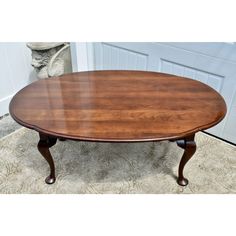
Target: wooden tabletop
x=118, y=106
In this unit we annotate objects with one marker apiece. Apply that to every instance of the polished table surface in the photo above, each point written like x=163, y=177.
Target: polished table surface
x=118, y=106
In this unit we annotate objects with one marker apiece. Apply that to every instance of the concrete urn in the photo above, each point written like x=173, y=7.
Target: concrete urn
x=50, y=59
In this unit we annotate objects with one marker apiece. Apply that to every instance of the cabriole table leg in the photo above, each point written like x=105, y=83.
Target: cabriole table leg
x=44, y=144
x=189, y=146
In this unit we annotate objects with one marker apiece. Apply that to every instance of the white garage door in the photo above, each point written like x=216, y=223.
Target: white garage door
x=210, y=63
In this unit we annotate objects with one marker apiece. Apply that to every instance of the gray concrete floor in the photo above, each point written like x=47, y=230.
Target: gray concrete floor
x=7, y=125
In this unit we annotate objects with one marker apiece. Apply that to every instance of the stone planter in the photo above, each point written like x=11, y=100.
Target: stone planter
x=50, y=59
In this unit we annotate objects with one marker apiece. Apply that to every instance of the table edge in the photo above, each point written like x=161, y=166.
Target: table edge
x=80, y=138
x=115, y=140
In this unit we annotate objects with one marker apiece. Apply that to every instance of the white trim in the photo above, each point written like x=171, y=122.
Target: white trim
x=90, y=56
x=73, y=57
x=82, y=55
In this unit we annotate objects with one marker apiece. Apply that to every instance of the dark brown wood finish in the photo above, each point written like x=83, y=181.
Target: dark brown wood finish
x=189, y=146
x=118, y=106
x=45, y=142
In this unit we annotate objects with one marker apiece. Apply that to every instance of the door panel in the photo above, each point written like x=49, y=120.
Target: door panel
x=210, y=63
x=114, y=57
x=215, y=81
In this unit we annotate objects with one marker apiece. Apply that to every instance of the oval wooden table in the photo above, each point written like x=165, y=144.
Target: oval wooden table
x=118, y=106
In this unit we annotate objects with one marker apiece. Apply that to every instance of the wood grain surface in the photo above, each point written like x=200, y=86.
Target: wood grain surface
x=118, y=106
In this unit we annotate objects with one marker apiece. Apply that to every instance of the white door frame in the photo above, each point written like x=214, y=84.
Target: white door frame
x=82, y=55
